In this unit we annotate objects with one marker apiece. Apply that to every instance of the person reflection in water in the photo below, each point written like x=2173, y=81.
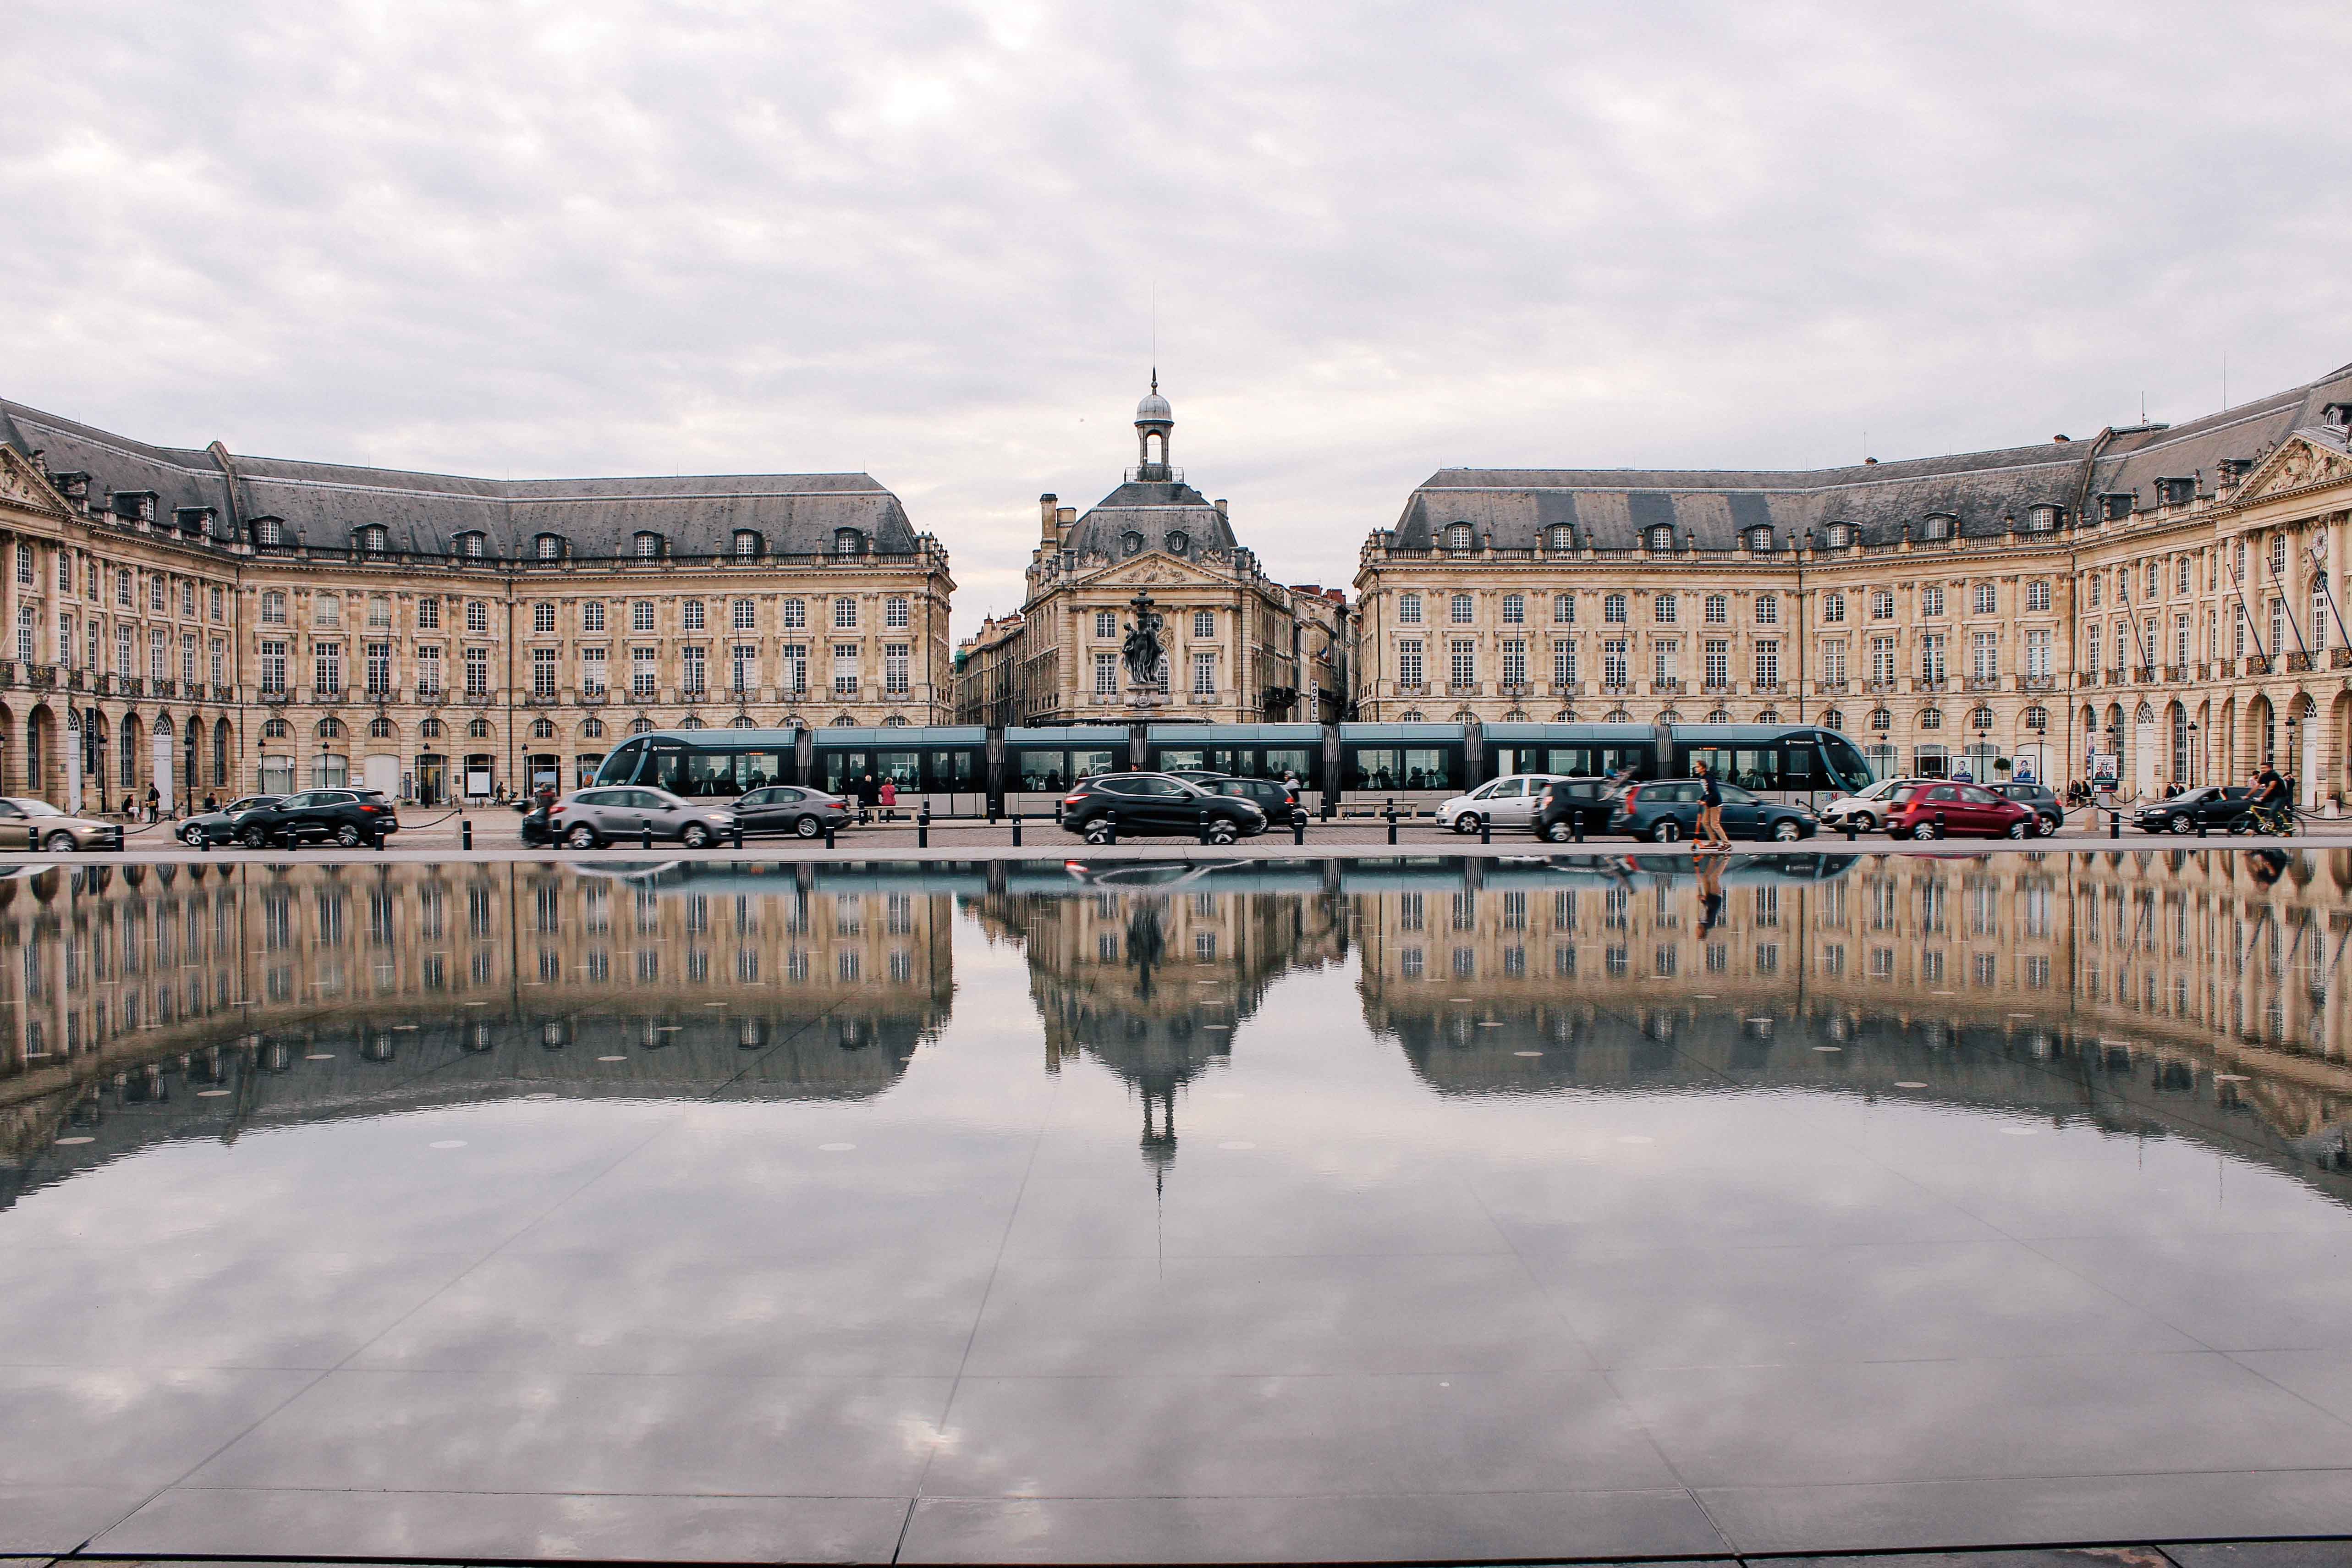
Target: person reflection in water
x=1710, y=895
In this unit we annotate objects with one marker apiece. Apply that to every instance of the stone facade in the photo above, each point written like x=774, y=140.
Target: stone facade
x=1239, y=648
x=1940, y=611
x=297, y=624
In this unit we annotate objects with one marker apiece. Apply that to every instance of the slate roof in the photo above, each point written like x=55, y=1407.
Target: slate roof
x=322, y=503
x=1513, y=508
x=1153, y=511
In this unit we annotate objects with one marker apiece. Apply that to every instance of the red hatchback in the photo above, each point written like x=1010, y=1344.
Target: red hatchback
x=1959, y=810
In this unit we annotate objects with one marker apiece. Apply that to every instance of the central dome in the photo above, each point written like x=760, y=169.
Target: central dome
x=1154, y=409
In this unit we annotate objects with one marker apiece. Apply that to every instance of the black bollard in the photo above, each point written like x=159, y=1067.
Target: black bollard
x=2201, y=828
x=644, y=833
x=1016, y=830
x=465, y=833
x=1201, y=829
x=1850, y=830
x=1576, y=825
x=2114, y=824
x=1058, y=814
x=1486, y=828
x=1939, y=824
x=1299, y=826
x=923, y=831
x=738, y=833
x=1390, y=815
x=828, y=833
x=1110, y=821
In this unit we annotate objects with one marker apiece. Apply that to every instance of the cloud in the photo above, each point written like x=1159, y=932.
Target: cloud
x=925, y=240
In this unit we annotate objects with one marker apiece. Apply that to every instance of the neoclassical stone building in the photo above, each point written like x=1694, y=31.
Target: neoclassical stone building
x=1241, y=648
x=289, y=624
x=2166, y=595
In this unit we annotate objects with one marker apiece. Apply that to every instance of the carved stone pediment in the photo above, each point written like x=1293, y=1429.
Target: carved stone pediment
x=2304, y=461
x=24, y=487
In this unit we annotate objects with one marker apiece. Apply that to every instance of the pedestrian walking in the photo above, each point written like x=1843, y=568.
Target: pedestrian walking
x=1711, y=835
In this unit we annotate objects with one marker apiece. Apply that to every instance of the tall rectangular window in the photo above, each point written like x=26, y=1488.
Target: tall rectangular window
x=273, y=667
x=478, y=672
x=844, y=614
x=691, y=616
x=478, y=617
x=894, y=668
x=428, y=612
x=121, y=651
x=542, y=672
x=791, y=667
x=379, y=668
x=1515, y=609
x=1718, y=662
x=543, y=618
x=895, y=615
x=327, y=666
x=692, y=661
x=1614, y=670
x=428, y=669
x=1665, y=661
x=1984, y=656
x=641, y=615
x=744, y=616
x=1205, y=674
x=1464, y=609
x=1409, y=609
x=1834, y=660
x=743, y=668
x=1563, y=609
x=1514, y=662
x=592, y=670
x=1882, y=661
x=1767, y=610
x=159, y=654
x=1105, y=675
x=1464, y=665
x=644, y=674
x=591, y=616
x=1767, y=662
x=1931, y=656
x=1665, y=608
x=2037, y=652
x=1563, y=664
x=844, y=668
x=220, y=661
x=795, y=612
x=1409, y=670
x=2180, y=640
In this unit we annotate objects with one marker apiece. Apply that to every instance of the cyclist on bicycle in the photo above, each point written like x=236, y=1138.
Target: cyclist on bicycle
x=2268, y=803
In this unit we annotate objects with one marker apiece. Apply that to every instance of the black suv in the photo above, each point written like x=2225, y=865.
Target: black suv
x=1157, y=804
x=2212, y=806
x=2041, y=797
x=1568, y=802
x=350, y=817
x=1276, y=799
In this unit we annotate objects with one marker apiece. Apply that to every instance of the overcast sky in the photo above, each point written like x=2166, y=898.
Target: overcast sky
x=923, y=240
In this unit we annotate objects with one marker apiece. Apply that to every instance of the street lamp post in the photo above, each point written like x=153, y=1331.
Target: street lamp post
x=2196, y=757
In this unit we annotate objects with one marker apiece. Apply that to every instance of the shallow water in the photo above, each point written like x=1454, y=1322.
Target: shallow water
x=1413, y=1208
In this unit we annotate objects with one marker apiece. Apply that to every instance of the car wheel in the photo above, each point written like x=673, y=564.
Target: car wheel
x=1222, y=833
x=1557, y=832
x=192, y=836
x=252, y=838
x=695, y=837
x=348, y=835
x=2180, y=822
x=2022, y=829
x=1466, y=822
x=1788, y=830
x=58, y=842
x=1865, y=823
x=1097, y=832
x=1666, y=831
x=1928, y=829
x=807, y=827
x=583, y=837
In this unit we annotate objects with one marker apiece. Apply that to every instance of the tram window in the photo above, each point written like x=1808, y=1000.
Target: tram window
x=950, y=770
x=1409, y=768
x=903, y=769
x=1045, y=770
x=1174, y=757
x=1845, y=763
x=1086, y=763
x=1749, y=767
x=1797, y=766
x=1275, y=761
x=844, y=769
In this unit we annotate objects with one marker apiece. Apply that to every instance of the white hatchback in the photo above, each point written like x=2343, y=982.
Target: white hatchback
x=1508, y=801
x=1866, y=809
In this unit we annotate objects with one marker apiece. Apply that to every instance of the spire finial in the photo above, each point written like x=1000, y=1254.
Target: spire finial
x=1155, y=378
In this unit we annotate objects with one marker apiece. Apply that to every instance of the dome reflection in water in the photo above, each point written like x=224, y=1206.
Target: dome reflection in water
x=1593, y=1183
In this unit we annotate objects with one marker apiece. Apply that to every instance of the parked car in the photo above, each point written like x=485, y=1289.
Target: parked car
x=220, y=827
x=1153, y=805
x=1960, y=810
x=1276, y=799
x=2041, y=797
x=2214, y=807
x=788, y=808
x=1568, y=801
x=37, y=825
x=350, y=817
x=590, y=818
x=1667, y=809
x=1866, y=809
x=1510, y=800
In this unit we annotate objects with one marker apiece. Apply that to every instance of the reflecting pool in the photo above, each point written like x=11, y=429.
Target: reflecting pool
x=1411, y=1209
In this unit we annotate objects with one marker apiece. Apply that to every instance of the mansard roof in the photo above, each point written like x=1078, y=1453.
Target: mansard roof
x=322, y=503
x=1153, y=512
x=1610, y=508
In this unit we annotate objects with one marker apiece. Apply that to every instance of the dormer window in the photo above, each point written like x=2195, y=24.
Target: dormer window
x=2176, y=491
x=747, y=544
x=1562, y=537
x=1459, y=538
x=2336, y=413
x=1760, y=540
x=2042, y=519
x=1130, y=543
x=268, y=531
x=1178, y=544
x=471, y=545
x=195, y=520
x=547, y=547
x=848, y=541
x=1938, y=525
x=2115, y=505
x=1837, y=536
x=135, y=506
x=648, y=546
x=375, y=538
x=1660, y=538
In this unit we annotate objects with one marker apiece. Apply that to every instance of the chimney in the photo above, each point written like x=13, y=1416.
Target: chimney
x=1062, y=518
x=1046, y=515
x=1220, y=504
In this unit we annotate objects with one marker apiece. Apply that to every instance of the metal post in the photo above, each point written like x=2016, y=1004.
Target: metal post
x=644, y=833
x=1016, y=830
x=1058, y=814
x=1850, y=830
x=738, y=833
x=1297, y=826
x=2201, y=828
x=2114, y=824
x=1576, y=825
x=1486, y=828
x=465, y=833
x=923, y=826
x=828, y=833
x=1391, y=813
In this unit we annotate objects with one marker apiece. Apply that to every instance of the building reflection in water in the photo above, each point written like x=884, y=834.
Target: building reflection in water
x=2186, y=992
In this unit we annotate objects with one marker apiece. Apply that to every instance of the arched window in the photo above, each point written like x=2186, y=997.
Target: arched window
x=592, y=728
x=1881, y=718
x=848, y=541
x=1981, y=718
x=1831, y=719
x=1618, y=716
x=268, y=531
x=1562, y=537
x=1565, y=716
x=641, y=726
x=648, y=546
x=375, y=538
x=1759, y=539
x=275, y=730
x=542, y=728
x=471, y=545
x=1464, y=717
x=1178, y=544
x=549, y=547
x=1720, y=716
x=747, y=544
x=1409, y=716
x=479, y=729
x=1660, y=537
x=845, y=722
x=430, y=730
x=1931, y=719
x=1770, y=716
x=691, y=721
x=895, y=722
x=331, y=729
x=379, y=728
x=2037, y=719
x=741, y=722
x=1459, y=538
x=1669, y=716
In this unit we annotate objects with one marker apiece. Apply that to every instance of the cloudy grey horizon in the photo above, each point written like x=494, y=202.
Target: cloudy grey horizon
x=926, y=241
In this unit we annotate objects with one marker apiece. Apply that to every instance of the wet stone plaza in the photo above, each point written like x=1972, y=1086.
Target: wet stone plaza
x=1576, y=1206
